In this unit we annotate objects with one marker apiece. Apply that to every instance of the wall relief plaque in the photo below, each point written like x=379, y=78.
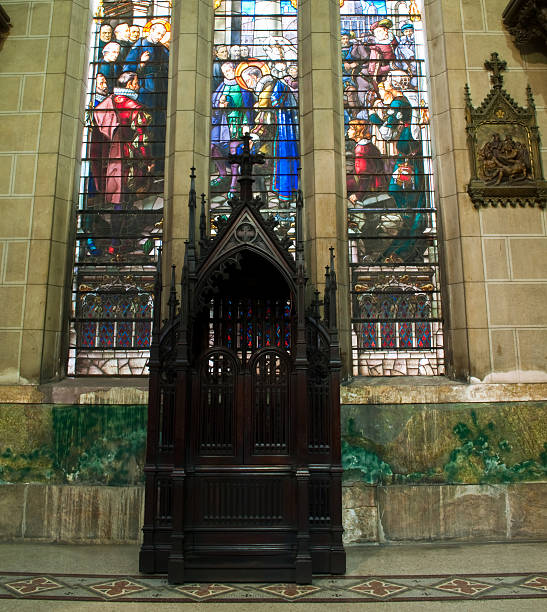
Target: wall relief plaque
x=503, y=142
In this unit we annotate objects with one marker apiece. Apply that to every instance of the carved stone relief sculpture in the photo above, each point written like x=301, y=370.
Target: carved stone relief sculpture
x=503, y=142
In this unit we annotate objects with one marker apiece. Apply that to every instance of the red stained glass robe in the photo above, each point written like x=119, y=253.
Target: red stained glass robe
x=123, y=123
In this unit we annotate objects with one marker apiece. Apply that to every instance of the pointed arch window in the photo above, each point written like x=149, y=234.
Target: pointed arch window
x=119, y=211
x=392, y=222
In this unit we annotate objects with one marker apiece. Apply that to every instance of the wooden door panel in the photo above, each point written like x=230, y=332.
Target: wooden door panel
x=216, y=422
x=269, y=406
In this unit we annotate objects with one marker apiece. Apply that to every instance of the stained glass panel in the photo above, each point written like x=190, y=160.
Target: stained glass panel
x=396, y=310
x=255, y=91
x=120, y=202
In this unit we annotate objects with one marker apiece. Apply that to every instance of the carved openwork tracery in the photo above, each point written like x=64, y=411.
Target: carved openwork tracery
x=503, y=141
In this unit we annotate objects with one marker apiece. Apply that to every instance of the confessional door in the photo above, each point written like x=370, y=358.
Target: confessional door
x=244, y=409
x=241, y=494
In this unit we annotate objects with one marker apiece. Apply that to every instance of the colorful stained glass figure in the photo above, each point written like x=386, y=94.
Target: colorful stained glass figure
x=389, y=181
x=255, y=91
x=120, y=203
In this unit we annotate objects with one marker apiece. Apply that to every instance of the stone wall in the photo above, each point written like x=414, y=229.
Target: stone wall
x=110, y=515
x=401, y=513
x=41, y=79
x=432, y=461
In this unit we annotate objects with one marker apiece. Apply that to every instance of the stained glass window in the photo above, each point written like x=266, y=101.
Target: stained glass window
x=120, y=203
x=392, y=228
x=255, y=91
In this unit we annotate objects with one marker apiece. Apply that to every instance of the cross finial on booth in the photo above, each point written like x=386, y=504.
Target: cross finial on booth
x=246, y=161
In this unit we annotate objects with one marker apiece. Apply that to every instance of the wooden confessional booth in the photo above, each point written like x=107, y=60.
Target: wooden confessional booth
x=243, y=473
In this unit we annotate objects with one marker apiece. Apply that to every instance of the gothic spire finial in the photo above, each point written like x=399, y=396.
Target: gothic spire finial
x=202, y=221
x=173, y=302
x=192, y=207
x=299, y=226
x=326, y=298
x=530, y=97
x=468, y=95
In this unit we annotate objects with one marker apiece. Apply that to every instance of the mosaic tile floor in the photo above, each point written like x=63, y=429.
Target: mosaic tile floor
x=325, y=589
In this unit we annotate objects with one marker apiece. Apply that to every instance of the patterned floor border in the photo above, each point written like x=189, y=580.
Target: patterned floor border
x=325, y=589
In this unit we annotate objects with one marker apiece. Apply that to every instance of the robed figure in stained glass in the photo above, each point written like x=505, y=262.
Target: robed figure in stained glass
x=406, y=182
x=282, y=100
x=123, y=123
x=149, y=58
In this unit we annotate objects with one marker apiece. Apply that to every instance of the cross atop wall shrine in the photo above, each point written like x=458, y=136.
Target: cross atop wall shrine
x=495, y=66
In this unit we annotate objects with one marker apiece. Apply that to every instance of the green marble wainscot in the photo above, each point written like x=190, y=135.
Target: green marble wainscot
x=445, y=443
x=80, y=444
x=381, y=444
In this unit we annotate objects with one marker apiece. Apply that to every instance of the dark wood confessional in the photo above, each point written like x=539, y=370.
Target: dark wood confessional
x=243, y=474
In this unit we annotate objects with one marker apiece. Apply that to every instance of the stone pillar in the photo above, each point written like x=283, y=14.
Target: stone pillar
x=42, y=78
x=322, y=150
x=456, y=218
x=188, y=116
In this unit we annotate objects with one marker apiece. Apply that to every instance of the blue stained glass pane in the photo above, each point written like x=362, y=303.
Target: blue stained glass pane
x=267, y=324
x=124, y=334
x=106, y=334
x=249, y=336
x=87, y=337
x=369, y=335
x=405, y=328
x=387, y=332
x=423, y=334
x=142, y=334
x=124, y=329
x=405, y=335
